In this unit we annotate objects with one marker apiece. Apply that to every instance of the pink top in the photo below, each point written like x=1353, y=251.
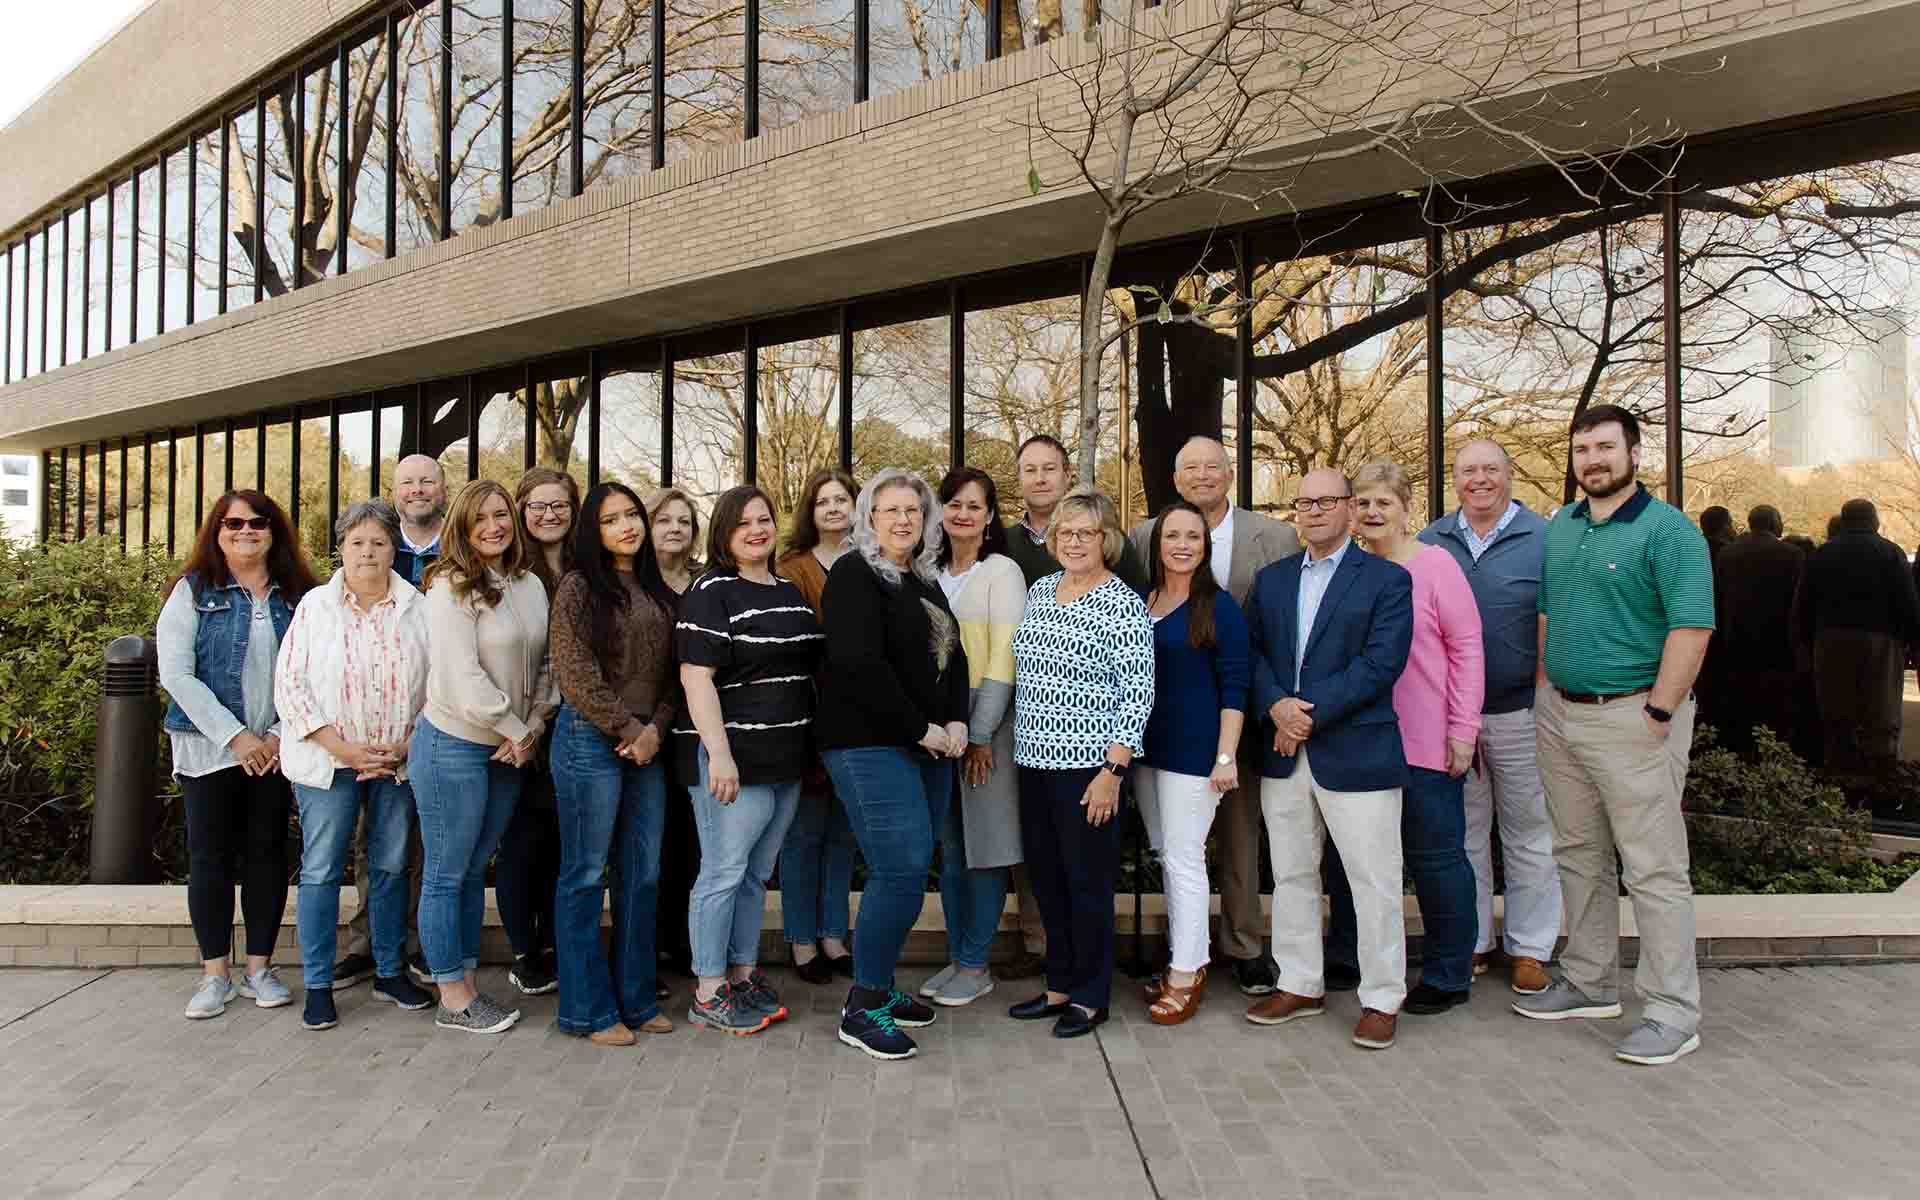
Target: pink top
x=1440, y=693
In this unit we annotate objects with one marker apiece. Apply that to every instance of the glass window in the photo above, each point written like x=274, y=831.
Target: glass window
x=1022, y=378
x=318, y=241
x=706, y=83
x=209, y=201
x=367, y=152
x=110, y=507
x=242, y=178
x=914, y=40
x=444, y=406
x=33, y=289
x=74, y=280
x=316, y=523
x=630, y=428
x=503, y=432
x=18, y=465
x=56, y=319
x=9, y=337
x=391, y=414
x=174, y=245
x=98, y=296
x=244, y=462
x=798, y=425
x=542, y=102
x=122, y=322
x=806, y=59
x=900, y=398
x=560, y=425
x=1036, y=22
x=618, y=113
x=276, y=268
x=417, y=188
x=16, y=497
x=709, y=425
x=476, y=113
x=147, y=247
x=279, y=480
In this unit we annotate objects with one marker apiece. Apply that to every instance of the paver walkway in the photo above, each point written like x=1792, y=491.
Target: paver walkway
x=1808, y=1086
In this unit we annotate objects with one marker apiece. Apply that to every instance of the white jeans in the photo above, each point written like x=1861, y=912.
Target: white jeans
x=1178, y=812
x=1507, y=781
x=1366, y=828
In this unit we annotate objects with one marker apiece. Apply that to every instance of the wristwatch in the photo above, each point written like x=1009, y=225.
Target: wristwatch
x=1659, y=714
x=1223, y=760
x=1117, y=770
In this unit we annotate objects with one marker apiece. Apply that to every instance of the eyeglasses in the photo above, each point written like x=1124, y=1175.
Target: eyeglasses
x=1323, y=503
x=895, y=512
x=236, y=524
x=1076, y=536
x=540, y=508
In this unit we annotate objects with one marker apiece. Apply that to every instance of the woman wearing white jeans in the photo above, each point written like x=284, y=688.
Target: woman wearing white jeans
x=1201, y=671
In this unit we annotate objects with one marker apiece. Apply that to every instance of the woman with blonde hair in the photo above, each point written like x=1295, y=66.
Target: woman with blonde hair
x=674, y=520
x=490, y=692
x=673, y=525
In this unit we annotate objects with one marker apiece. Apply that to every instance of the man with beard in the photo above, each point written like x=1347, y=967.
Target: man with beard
x=420, y=497
x=1626, y=611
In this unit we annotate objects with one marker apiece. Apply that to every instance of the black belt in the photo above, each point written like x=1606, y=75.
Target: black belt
x=1599, y=697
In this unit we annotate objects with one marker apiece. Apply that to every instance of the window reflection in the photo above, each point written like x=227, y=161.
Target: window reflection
x=56, y=293
x=900, y=398
x=173, y=246
x=242, y=180
x=367, y=168
x=617, y=107
x=709, y=425
x=477, y=95
x=630, y=428
x=316, y=243
x=706, y=74
x=798, y=424
x=209, y=201
x=147, y=250
x=806, y=59
x=75, y=278
x=542, y=102
x=121, y=300
x=417, y=194
x=276, y=266
x=97, y=276
x=914, y=40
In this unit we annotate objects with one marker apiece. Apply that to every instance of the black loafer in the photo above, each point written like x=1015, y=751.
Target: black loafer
x=816, y=970
x=1339, y=977
x=1037, y=1009
x=1428, y=1000
x=1077, y=1022
x=842, y=966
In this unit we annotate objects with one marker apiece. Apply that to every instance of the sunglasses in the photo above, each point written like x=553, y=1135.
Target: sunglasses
x=236, y=524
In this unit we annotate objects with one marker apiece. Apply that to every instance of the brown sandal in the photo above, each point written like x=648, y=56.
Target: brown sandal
x=1177, y=1005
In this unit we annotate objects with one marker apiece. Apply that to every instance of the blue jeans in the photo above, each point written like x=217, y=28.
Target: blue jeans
x=1433, y=840
x=972, y=898
x=465, y=801
x=611, y=817
x=739, y=844
x=816, y=869
x=894, y=797
x=327, y=817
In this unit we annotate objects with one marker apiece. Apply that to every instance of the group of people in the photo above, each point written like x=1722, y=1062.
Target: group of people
x=910, y=671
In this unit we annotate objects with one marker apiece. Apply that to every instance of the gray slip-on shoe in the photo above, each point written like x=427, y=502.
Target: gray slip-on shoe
x=932, y=986
x=1564, y=1002
x=1652, y=1044
x=484, y=1015
x=963, y=987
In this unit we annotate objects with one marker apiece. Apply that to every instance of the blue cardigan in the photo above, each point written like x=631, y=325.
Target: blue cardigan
x=1190, y=687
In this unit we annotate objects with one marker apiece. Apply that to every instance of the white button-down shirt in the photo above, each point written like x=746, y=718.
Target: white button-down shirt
x=1315, y=575
x=1477, y=545
x=1222, y=549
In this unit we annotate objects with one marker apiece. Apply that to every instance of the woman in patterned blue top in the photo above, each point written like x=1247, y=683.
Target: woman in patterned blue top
x=1083, y=689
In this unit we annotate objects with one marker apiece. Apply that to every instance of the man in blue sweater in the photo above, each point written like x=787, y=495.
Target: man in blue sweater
x=1499, y=544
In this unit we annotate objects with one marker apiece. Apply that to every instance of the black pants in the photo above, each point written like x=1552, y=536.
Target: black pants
x=679, y=867
x=236, y=833
x=527, y=866
x=1073, y=866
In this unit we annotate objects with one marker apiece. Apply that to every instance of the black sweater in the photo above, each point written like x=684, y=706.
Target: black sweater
x=1858, y=580
x=884, y=681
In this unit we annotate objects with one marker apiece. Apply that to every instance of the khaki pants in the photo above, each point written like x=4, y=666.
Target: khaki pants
x=359, y=941
x=1236, y=827
x=1613, y=786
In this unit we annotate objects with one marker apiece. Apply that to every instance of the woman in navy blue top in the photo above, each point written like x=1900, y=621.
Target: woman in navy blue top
x=1201, y=671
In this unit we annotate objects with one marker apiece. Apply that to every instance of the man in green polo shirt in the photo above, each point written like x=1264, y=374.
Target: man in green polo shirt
x=1626, y=610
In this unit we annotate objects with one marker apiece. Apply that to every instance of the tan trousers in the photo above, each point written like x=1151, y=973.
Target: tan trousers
x=1236, y=828
x=1613, y=786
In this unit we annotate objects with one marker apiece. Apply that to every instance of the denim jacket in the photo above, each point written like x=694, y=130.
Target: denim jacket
x=223, y=619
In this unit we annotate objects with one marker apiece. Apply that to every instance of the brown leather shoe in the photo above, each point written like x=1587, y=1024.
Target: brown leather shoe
x=615, y=1034
x=1282, y=1007
x=1529, y=977
x=657, y=1023
x=1375, y=1030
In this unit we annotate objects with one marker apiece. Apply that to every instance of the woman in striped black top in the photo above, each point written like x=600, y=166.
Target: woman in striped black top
x=748, y=645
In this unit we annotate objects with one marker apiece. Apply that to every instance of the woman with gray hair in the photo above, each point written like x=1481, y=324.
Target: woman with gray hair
x=351, y=678
x=891, y=721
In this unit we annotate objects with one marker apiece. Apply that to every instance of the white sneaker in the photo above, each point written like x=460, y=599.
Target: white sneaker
x=211, y=997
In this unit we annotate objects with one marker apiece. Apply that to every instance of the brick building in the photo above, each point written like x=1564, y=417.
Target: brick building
x=701, y=241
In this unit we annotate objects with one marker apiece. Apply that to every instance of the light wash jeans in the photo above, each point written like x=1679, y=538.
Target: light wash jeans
x=972, y=898
x=327, y=819
x=465, y=801
x=739, y=844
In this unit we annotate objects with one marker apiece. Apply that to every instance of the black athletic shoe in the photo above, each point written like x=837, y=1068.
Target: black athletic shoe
x=400, y=991
x=876, y=1033
x=354, y=968
x=908, y=1011
x=1257, y=976
x=1339, y=977
x=1428, y=1000
x=532, y=975
x=320, y=1012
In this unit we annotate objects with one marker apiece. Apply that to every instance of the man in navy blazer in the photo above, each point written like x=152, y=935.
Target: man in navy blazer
x=1331, y=628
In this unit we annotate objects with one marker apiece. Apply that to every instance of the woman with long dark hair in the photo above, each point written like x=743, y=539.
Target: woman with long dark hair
x=1202, y=667
x=528, y=866
x=816, y=863
x=612, y=639
x=489, y=694
x=217, y=636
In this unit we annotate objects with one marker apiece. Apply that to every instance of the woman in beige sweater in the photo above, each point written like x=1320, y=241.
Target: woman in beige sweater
x=489, y=694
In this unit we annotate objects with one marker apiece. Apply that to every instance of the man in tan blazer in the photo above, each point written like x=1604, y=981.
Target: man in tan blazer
x=1243, y=542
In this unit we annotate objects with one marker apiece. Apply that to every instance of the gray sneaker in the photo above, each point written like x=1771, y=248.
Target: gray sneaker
x=757, y=993
x=931, y=987
x=964, y=987
x=728, y=1011
x=265, y=989
x=1652, y=1044
x=484, y=1015
x=211, y=997
x=1564, y=1002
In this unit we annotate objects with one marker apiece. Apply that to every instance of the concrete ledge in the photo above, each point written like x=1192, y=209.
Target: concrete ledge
x=113, y=926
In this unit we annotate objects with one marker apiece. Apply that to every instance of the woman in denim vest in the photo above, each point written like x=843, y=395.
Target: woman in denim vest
x=217, y=636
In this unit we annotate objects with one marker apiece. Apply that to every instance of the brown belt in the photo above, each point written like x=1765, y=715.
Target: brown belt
x=1599, y=698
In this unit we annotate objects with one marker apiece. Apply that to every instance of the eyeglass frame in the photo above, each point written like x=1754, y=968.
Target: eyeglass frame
x=1326, y=504
x=545, y=508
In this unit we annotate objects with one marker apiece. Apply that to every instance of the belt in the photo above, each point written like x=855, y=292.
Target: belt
x=1599, y=698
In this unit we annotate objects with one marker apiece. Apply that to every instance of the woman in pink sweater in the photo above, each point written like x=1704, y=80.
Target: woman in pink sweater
x=1438, y=702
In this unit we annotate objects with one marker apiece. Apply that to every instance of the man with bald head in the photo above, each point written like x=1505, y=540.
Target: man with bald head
x=1330, y=629
x=420, y=497
x=1500, y=544
x=1243, y=543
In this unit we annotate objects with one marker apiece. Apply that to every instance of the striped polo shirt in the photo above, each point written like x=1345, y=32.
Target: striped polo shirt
x=1612, y=590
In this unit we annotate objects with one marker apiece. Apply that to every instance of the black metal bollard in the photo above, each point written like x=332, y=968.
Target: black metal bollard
x=126, y=748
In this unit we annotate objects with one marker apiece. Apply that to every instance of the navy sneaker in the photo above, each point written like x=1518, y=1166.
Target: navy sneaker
x=908, y=1011
x=876, y=1033
x=320, y=1012
x=401, y=991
